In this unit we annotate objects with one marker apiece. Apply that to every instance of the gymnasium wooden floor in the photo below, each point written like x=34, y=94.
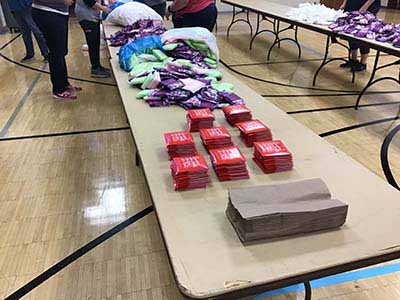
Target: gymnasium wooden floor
x=69, y=175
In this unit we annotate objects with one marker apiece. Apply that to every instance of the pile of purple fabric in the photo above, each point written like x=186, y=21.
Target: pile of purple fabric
x=366, y=25
x=136, y=31
x=180, y=85
x=183, y=51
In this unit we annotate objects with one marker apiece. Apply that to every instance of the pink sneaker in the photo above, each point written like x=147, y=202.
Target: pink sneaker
x=74, y=88
x=64, y=96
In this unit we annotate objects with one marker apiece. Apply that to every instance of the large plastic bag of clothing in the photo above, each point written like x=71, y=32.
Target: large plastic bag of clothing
x=196, y=34
x=132, y=12
x=117, y=4
x=128, y=54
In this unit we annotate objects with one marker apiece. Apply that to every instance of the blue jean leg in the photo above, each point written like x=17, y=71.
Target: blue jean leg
x=28, y=26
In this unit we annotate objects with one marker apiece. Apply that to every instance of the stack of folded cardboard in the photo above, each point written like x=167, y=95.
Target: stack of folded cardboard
x=278, y=210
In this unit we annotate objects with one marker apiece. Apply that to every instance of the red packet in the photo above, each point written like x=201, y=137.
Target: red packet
x=229, y=163
x=178, y=138
x=215, y=137
x=272, y=156
x=237, y=113
x=180, y=143
x=271, y=148
x=227, y=155
x=198, y=114
x=189, y=172
x=251, y=127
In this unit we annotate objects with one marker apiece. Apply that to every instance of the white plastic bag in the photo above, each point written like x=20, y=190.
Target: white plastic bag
x=131, y=12
x=192, y=33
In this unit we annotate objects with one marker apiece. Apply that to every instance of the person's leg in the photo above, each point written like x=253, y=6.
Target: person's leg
x=160, y=8
x=205, y=18
x=37, y=33
x=177, y=21
x=364, y=54
x=55, y=28
x=20, y=17
x=362, y=65
x=92, y=34
x=353, y=60
x=209, y=16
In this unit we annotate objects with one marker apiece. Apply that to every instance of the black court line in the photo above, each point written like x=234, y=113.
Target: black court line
x=328, y=95
x=22, y=101
x=14, y=138
x=385, y=157
x=10, y=41
x=356, y=126
x=275, y=62
x=47, y=72
x=289, y=61
x=21, y=292
x=282, y=84
x=339, y=107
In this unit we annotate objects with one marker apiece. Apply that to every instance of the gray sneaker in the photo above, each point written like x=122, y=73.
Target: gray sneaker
x=100, y=73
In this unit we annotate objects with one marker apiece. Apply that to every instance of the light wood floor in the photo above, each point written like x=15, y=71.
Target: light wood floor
x=59, y=193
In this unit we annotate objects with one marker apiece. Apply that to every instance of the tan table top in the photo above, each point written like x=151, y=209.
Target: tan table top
x=278, y=11
x=206, y=255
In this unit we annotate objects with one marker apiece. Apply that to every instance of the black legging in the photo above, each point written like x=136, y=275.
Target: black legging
x=205, y=18
x=92, y=34
x=55, y=30
x=160, y=8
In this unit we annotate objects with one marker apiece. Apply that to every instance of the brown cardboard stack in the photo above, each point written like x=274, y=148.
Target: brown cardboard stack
x=272, y=211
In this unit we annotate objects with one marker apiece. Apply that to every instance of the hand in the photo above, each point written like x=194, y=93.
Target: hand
x=342, y=6
x=68, y=2
x=363, y=9
x=105, y=9
x=111, y=2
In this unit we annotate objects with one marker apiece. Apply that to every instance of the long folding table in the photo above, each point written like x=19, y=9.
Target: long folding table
x=275, y=14
x=207, y=258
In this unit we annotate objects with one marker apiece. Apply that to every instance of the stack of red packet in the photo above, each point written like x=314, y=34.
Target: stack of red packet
x=229, y=163
x=254, y=131
x=189, y=172
x=237, y=113
x=215, y=137
x=199, y=118
x=272, y=156
x=180, y=143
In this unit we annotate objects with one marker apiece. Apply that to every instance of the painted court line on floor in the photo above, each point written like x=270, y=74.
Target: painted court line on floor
x=21, y=103
x=336, y=279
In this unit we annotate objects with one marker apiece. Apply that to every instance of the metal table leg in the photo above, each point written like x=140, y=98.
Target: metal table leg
x=308, y=290
x=372, y=81
x=278, y=40
x=234, y=20
x=260, y=19
x=330, y=41
x=137, y=159
x=385, y=157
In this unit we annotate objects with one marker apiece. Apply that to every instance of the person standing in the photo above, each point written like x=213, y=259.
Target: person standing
x=193, y=13
x=21, y=10
x=88, y=14
x=362, y=6
x=51, y=16
x=159, y=6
